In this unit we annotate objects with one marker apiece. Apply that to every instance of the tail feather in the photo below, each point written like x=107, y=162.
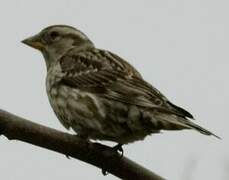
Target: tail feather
x=201, y=129
x=173, y=122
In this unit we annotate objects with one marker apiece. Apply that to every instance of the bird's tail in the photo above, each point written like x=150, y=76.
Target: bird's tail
x=200, y=129
x=173, y=122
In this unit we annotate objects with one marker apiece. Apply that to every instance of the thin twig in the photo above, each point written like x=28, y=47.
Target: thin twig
x=101, y=156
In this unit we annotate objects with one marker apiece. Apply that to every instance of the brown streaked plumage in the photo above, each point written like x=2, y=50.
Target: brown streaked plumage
x=100, y=95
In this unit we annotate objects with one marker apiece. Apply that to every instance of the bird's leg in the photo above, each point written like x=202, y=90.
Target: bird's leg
x=118, y=148
x=83, y=137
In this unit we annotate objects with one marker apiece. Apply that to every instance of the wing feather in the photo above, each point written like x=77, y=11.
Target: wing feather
x=109, y=76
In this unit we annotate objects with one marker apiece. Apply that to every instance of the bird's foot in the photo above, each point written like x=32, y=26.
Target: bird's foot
x=104, y=172
x=67, y=156
x=83, y=137
x=118, y=148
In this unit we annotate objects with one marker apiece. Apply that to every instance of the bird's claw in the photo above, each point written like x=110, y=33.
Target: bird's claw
x=67, y=156
x=104, y=171
x=119, y=148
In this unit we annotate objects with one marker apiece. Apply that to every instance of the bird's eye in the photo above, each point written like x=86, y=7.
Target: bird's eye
x=54, y=35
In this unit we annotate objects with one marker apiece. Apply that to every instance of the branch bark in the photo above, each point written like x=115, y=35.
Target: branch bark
x=101, y=156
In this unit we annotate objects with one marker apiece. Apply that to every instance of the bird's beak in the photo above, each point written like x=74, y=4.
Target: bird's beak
x=34, y=41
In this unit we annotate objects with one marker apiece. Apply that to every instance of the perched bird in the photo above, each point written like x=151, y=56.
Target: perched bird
x=100, y=95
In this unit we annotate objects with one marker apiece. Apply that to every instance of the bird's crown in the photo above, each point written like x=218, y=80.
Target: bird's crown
x=64, y=30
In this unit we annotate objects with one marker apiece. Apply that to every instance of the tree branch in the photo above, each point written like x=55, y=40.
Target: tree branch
x=101, y=156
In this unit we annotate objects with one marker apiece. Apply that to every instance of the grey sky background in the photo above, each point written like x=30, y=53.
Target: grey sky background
x=180, y=46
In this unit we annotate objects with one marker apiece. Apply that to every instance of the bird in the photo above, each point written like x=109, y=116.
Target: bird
x=100, y=95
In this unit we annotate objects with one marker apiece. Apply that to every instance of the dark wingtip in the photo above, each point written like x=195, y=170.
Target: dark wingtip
x=181, y=110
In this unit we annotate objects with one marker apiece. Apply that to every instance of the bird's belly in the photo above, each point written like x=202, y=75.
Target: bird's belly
x=96, y=117
x=76, y=109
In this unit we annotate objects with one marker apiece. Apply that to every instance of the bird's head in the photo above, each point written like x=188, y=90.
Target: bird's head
x=55, y=41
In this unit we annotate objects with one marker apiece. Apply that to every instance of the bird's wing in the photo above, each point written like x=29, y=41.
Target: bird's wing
x=109, y=76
